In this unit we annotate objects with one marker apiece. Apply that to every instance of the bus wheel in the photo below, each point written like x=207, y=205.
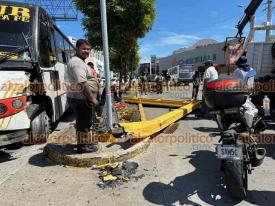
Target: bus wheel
x=40, y=128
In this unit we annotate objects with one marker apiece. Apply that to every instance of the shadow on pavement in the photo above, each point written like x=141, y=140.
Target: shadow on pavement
x=190, y=117
x=123, y=145
x=259, y=197
x=207, y=129
x=8, y=150
x=270, y=150
x=173, y=155
x=5, y=157
x=206, y=182
x=40, y=160
x=14, y=146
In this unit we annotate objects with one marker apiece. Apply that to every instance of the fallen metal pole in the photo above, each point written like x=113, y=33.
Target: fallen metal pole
x=145, y=129
x=156, y=102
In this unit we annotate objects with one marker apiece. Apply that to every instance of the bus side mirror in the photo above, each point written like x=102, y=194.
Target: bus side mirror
x=44, y=31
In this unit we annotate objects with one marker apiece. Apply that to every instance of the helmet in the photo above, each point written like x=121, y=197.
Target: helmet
x=242, y=61
x=209, y=62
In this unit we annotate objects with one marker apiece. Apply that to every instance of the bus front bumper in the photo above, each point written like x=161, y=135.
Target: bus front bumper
x=10, y=137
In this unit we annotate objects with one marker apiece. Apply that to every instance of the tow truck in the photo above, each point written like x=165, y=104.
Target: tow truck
x=260, y=55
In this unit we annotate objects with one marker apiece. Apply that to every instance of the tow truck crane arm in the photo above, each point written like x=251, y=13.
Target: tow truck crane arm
x=249, y=12
x=234, y=49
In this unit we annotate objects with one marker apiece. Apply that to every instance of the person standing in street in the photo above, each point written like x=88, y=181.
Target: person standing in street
x=95, y=87
x=196, y=85
x=159, y=80
x=210, y=74
x=168, y=82
x=94, y=84
x=81, y=98
x=143, y=83
x=244, y=72
x=93, y=70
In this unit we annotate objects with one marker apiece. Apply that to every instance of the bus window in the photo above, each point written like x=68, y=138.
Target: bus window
x=52, y=47
x=67, y=50
x=71, y=51
x=44, y=43
x=64, y=57
x=59, y=43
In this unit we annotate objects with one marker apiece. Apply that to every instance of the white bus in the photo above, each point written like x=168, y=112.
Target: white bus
x=181, y=73
x=33, y=58
x=173, y=72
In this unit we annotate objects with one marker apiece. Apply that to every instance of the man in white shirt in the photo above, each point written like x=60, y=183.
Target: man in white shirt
x=210, y=73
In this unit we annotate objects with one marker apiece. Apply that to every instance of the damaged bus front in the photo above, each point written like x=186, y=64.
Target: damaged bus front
x=33, y=57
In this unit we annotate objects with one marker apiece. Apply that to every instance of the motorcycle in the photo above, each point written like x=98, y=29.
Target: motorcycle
x=238, y=120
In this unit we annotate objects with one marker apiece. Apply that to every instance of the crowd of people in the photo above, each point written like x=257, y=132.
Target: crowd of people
x=160, y=83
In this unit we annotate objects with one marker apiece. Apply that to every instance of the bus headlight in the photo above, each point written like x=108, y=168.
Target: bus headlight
x=3, y=109
x=17, y=104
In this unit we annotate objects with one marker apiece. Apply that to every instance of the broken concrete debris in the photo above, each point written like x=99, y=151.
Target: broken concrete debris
x=114, y=174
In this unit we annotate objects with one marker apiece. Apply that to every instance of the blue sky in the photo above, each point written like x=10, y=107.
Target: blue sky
x=181, y=23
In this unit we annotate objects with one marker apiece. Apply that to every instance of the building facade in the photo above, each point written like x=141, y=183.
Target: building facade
x=196, y=55
x=144, y=68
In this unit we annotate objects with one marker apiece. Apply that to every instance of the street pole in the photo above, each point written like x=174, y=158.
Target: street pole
x=106, y=62
x=269, y=19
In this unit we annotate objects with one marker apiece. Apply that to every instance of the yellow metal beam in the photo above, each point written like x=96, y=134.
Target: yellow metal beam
x=156, y=102
x=142, y=112
x=147, y=128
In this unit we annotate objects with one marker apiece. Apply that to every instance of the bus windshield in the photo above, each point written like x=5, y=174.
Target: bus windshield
x=14, y=22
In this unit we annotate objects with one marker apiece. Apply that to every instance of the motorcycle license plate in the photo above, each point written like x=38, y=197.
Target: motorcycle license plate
x=229, y=152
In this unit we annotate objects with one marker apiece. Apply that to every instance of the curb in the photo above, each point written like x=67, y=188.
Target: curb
x=54, y=152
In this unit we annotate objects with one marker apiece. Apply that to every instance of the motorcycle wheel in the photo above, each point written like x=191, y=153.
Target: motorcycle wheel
x=236, y=178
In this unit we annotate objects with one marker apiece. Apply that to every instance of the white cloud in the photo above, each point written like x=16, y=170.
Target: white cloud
x=230, y=27
x=145, y=60
x=146, y=48
x=177, y=39
x=167, y=39
x=145, y=51
x=167, y=33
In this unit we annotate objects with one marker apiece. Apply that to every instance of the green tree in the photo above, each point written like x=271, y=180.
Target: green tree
x=128, y=20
